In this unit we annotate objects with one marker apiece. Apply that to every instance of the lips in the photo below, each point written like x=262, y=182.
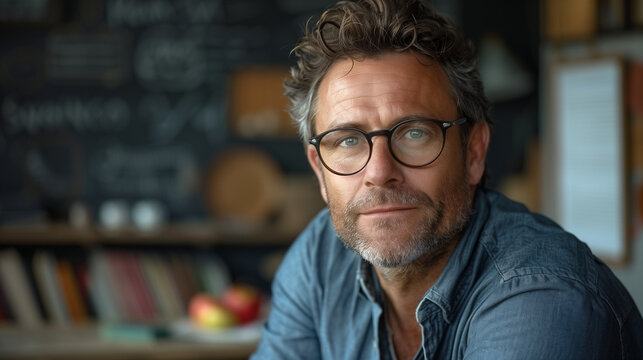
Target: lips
x=383, y=210
x=385, y=202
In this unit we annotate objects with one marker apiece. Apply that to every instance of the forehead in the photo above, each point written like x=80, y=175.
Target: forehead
x=384, y=89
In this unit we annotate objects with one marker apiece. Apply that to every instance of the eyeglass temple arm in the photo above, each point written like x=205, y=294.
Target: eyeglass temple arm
x=448, y=124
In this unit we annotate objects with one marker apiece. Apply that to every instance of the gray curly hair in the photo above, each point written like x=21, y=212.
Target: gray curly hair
x=364, y=28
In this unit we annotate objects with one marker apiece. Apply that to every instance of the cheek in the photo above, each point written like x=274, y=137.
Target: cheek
x=428, y=181
x=341, y=189
x=439, y=180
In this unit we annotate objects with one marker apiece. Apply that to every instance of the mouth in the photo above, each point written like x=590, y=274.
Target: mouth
x=386, y=210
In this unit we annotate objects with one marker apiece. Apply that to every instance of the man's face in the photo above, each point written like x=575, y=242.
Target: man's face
x=389, y=213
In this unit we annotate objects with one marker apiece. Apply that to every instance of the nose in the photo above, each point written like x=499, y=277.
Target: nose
x=382, y=169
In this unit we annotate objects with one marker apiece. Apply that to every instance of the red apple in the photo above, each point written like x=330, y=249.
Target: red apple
x=208, y=312
x=244, y=300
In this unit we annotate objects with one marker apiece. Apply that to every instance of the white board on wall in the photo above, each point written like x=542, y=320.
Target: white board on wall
x=590, y=171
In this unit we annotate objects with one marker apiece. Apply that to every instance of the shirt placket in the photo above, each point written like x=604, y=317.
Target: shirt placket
x=429, y=315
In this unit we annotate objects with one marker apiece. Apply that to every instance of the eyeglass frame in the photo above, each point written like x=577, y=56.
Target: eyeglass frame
x=444, y=126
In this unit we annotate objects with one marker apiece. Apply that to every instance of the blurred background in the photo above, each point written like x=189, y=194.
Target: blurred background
x=146, y=155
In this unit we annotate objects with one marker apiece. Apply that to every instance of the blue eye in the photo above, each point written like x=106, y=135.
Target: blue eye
x=415, y=134
x=349, y=141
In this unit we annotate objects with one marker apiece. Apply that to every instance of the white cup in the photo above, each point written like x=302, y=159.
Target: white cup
x=114, y=214
x=148, y=214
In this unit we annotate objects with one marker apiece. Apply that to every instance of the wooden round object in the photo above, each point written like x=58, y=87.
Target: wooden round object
x=245, y=184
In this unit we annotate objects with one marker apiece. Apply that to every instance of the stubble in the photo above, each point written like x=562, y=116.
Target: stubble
x=399, y=245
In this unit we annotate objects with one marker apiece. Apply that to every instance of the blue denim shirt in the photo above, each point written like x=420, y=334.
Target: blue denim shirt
x=516, y=287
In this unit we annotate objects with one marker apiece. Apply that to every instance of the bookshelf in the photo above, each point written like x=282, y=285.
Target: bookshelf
x=117, y=131
x=94, y=267
x=201, y=233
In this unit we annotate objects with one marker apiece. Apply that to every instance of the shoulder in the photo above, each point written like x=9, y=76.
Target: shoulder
x=541, y=316
x=319, y=238
x=520, y=242
x=317, y=251
x=549, y=280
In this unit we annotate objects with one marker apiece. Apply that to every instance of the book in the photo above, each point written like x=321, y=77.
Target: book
x=213, y=274
x=135, y=286
x=164, y=281
x=123, y=288
x=140, y=288
x=71, y=292
x=102, y=289
x=45, y=272
x=159, y=286
x=81, y=271
x=6, y=314
x=17, y=289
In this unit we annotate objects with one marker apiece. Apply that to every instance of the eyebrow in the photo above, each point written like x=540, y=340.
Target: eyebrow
x=339, y=124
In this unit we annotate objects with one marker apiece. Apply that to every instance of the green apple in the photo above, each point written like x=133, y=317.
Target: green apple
x=208, y=312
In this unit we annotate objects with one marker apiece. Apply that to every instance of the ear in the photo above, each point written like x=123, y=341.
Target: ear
x=477, y=152
x=316, y=165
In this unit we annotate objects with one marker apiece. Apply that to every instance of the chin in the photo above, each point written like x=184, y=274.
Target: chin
x=387, y=251
x=387, y=260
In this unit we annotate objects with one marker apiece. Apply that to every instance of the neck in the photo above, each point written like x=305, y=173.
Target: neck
x=404, y=287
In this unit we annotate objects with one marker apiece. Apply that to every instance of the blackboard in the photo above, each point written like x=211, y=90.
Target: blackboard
x=126, y=99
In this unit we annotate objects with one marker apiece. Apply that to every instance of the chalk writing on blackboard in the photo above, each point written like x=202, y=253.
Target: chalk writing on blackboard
x=140, y=89
x=298, y=6
x=211, y=121
x=54, y=166
x=102, y=58
x=236, y=45
x=169, y=59
x=144, y=171
x=136, y=13
x=167, y=119
x=82, y=115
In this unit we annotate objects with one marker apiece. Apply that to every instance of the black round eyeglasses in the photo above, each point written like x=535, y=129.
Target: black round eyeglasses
x=415, y=142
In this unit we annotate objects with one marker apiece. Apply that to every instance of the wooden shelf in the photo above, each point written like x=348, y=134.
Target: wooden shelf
x=84, y=342
x=174, y=234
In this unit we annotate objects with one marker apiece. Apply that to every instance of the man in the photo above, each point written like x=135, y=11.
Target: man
x=414, y=258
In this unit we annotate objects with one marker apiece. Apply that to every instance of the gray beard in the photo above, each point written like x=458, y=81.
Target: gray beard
x=432, y=236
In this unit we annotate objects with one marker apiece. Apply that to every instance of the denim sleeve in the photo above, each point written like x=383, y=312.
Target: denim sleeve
x=289, y=332
x=543, y=317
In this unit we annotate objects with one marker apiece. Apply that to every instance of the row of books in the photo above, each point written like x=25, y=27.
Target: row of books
x=105, y=285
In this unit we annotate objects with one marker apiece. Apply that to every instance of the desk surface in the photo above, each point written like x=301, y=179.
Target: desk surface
x=84, y=342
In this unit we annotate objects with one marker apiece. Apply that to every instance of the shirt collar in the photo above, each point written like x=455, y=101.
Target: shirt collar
x=365, y=280
x=457, y=276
